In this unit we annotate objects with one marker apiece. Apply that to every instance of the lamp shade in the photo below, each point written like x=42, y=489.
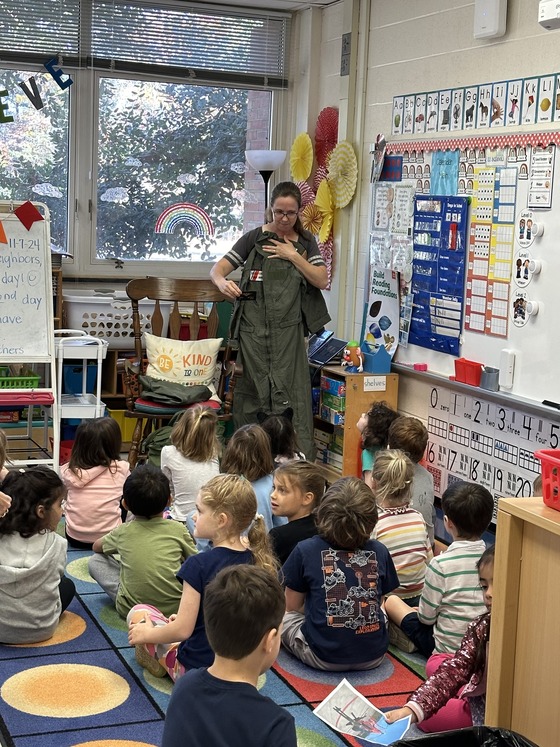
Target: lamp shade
x=265, y=160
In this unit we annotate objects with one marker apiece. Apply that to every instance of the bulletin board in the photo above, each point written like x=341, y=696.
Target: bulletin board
x=26, y=296
x=512, y=283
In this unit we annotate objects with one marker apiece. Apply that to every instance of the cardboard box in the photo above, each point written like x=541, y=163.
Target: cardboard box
x=332, y=416
x=333, y=386
x=9, y=416
x=334, y=402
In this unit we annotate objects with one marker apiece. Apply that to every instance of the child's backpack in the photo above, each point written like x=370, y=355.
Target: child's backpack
x=154, y=442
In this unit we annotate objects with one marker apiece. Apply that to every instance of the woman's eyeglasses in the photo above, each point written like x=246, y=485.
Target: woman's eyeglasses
x=285, y=213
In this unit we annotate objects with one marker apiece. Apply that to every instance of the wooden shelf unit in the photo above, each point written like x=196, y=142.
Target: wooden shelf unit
x=360, y=394
x=524, y=651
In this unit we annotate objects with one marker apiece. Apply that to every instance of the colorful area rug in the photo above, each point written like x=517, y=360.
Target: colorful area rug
x=84, y=688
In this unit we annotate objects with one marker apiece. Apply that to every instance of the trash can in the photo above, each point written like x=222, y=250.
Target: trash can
x=477, y=736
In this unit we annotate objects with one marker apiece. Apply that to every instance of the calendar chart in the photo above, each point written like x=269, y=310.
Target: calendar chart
x=474, y=439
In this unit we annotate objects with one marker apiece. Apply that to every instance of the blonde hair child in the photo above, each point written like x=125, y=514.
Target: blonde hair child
x=191, y=459
x=401, y=528
x=225, y=509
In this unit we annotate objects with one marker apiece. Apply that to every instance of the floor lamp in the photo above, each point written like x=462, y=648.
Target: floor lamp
x=265, y=162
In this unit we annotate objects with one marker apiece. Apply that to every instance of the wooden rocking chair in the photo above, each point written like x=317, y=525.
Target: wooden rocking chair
x=195, y=296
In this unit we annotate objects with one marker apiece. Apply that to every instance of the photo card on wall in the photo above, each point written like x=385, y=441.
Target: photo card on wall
x=547, y=85
x=457, y=108
x=420, y=114
x=529, y=103
x=432, y=111
x=484, y=109
x=513, y=108
x=470, y=104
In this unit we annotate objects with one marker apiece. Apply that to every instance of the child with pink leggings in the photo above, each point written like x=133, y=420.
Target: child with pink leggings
x=454, y=695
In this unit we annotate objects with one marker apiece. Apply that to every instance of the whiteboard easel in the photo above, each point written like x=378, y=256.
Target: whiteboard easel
x=27, y=322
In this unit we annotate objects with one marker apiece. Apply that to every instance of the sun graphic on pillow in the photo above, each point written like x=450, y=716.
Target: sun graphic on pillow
x=166, y=359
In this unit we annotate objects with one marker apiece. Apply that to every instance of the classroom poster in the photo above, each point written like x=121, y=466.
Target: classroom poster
x=440, y=243
x=382, y=312
x=471, y=438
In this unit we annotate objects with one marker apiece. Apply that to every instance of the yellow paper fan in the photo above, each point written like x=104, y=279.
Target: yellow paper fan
x=301, y=157
x=342, y=173
x=324, y=202
x=311, y=218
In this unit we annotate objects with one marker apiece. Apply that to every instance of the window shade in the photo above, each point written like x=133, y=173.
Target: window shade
x=177, y=39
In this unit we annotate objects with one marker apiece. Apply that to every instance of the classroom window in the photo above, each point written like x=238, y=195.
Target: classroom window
x=34, y=147
x=171, y=178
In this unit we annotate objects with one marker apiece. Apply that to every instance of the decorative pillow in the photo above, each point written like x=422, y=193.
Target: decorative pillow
x=185, y=362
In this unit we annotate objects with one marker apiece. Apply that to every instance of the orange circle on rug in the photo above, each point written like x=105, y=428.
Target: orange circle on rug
x=43, y=691
x=70, y=626
x=113, y=743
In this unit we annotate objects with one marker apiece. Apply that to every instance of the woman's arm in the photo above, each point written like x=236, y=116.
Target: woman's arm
x=218, y=275
x=295, y=600
x=314, y=274
x=178, y=629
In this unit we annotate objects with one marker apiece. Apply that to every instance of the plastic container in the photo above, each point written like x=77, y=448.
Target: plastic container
x=19, y=382
x=109, y=316
x=73, y=378
x=468, y=372
x=126, y=425
x=550, y=466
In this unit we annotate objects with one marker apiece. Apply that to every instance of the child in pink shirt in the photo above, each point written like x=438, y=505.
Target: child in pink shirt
x=94, y=477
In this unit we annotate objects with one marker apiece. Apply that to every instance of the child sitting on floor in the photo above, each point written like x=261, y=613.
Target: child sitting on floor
x=94, y=477
x=243, y=608
x=454, y=695
x=151, y=549
x=191, y=459
x=411, y=436
x=297, y=490
x=33, y=588
x=335, y=584
x=225, y=508
x=248, y=453
x=400, y=527
x=451, y=597
x=283, y=439
x=374, y=427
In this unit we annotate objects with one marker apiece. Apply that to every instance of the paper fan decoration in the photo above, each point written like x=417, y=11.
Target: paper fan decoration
x=342, y=173
x=325, y=204
x=326, y=134
x=301, y=157
x=311, y=218
x=320, y=174
x=307, y=194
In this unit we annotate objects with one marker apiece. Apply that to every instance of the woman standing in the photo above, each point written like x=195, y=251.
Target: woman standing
x=277, y=303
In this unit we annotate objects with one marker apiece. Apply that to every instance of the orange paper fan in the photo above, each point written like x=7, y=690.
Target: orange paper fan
x=301, y=157
x=325, y=204
x=342, y=173
x=312, y=218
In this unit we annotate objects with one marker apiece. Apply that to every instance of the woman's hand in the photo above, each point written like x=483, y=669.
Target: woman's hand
x=281, y=250
x=398, y=713
x=229, y=288
x=5, y=503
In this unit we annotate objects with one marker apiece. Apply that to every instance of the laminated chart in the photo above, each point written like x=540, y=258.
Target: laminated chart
x=438, y=272
x=473, y=439
x=491, y=244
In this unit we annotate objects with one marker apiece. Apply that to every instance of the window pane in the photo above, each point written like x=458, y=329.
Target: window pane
x=34, y=147
x=171, y=168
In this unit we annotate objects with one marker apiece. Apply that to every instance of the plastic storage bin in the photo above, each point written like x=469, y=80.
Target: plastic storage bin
x=550, y=466
x=109, y=316
x=468, y=372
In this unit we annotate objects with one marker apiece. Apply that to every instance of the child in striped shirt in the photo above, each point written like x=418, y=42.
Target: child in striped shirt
x=400, y=528
x=452, y=597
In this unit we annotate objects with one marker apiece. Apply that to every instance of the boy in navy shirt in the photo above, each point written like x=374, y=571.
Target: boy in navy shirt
x=220, y=706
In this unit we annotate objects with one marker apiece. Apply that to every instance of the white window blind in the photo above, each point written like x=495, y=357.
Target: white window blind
x=208, y=43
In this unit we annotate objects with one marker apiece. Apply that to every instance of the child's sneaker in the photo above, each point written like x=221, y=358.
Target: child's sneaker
x=148, y=662
x=400, y=640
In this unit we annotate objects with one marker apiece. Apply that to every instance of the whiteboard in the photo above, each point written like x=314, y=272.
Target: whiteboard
x=26, y=295
x=536, y=344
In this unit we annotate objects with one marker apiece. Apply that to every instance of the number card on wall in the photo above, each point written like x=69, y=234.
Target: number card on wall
x=474, y=439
